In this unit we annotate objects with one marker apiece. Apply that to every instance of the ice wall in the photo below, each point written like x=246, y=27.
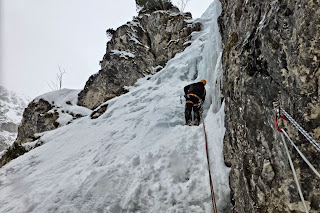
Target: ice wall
x=210, y=68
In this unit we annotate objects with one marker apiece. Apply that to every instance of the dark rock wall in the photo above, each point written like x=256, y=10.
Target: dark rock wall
x=271, y=53
x=36, y=119
x=138, y=48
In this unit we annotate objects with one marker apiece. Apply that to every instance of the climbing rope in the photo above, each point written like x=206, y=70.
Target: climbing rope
x=309, y=138
x=302, y=155
x=211, y=184
x=294, y=173
x=293, y=144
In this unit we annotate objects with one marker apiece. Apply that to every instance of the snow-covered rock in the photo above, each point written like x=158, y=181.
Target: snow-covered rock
x=138, y=156
x=148, y=41
x=50, y=111
x=11, y=109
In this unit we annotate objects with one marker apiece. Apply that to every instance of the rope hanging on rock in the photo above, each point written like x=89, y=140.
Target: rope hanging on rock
x=287, y=117
x=301, y=154
x=294, y=174
x=276, y=122
x=210, y=178
x=309, y=138
x=293, y=144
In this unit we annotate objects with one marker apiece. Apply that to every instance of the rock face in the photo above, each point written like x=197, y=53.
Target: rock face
x=11, y=109
x=37, y=119
x=138, y=48
x=271, y=53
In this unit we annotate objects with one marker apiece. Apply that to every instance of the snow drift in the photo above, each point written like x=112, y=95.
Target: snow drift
x=138, y=156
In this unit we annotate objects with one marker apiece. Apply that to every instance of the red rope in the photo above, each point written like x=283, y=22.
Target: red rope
x=211, y=184
x=276, y=121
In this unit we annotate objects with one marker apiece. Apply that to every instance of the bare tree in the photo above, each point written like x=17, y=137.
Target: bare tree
x=182, y=4
x=58, y=83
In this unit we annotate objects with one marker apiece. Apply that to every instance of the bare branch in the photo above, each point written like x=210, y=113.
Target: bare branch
x=58, y=83
x=59, y=76
x=182, y=4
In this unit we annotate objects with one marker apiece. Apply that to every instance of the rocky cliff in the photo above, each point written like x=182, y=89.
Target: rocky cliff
x=271, y=53
x=50, y=111
x=11, y=109
x=138, y=48
x=46, y=112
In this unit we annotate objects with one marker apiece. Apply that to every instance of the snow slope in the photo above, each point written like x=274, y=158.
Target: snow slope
x=138, y=156
x=11, y=109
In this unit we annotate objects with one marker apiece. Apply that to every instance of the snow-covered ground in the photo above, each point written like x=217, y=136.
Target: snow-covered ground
x=138, y=156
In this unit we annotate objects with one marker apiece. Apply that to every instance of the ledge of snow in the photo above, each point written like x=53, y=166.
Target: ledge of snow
x=65, y=103
x=123, y=54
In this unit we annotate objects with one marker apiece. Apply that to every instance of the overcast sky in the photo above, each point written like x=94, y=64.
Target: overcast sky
x=39, y=36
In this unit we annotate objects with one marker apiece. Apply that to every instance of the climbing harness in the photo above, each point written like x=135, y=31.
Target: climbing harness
x=194, y=95
x=210, y=178
x=287, y=117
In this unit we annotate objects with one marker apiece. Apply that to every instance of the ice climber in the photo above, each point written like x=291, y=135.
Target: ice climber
x=195, y=95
